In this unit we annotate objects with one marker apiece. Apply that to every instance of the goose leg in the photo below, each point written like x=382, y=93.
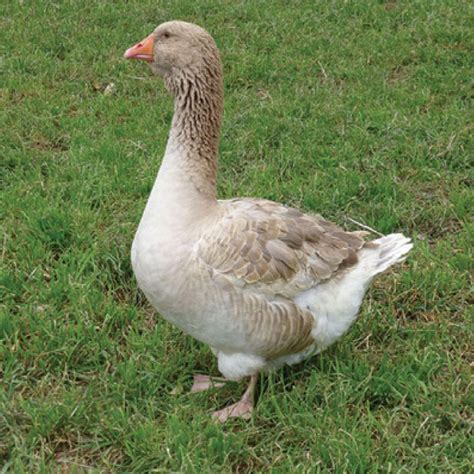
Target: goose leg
x=204, y=382
x=241, y=409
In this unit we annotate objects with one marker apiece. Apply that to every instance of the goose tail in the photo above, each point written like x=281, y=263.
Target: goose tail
x=387, y=251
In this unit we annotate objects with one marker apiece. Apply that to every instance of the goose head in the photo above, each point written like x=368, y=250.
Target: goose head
x=188, y=60
x=176, y=49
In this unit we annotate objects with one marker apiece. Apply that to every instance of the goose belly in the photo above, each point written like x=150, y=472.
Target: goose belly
x=184, y=295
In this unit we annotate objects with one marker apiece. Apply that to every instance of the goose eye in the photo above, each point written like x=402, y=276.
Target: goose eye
x=165, y=34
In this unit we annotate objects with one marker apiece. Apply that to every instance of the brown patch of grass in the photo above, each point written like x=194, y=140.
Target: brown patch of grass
x=398, y=74
x=60, y=144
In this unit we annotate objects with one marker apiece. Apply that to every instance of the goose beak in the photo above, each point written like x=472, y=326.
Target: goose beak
x=142, y=50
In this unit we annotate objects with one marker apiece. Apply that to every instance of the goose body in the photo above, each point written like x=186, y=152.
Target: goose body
x=261, y=283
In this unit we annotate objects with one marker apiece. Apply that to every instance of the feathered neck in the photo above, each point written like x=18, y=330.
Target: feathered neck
x=195, y=129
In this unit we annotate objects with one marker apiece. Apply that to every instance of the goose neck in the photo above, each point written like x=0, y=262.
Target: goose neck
x=195, y=129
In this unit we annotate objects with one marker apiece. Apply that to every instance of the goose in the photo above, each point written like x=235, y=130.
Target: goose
x=261, y=283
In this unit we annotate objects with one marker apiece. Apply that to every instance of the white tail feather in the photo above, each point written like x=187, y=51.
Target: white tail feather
x=391, y=249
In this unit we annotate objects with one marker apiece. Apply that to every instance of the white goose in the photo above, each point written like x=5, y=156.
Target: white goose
x=261, y=283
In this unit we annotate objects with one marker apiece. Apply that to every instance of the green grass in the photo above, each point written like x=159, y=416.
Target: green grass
x=350, y=109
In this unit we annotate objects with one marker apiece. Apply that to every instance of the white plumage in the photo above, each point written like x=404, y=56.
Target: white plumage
x=261, y=283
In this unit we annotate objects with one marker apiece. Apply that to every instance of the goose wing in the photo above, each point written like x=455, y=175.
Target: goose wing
x=274, y=249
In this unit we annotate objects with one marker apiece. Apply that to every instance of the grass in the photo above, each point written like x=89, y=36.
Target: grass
x=350, y=109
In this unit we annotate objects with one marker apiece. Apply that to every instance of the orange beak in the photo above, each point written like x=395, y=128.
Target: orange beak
x=142, y=50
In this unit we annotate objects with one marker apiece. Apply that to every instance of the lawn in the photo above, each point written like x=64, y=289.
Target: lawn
x=355, y=110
